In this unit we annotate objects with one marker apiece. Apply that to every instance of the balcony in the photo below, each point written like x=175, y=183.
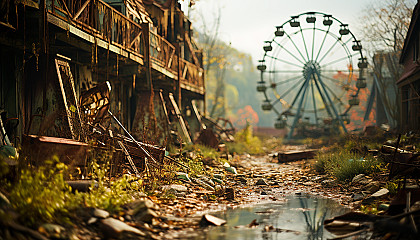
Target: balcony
x=99, y=23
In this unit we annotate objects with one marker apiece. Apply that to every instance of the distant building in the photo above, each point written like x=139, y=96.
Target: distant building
x=409, y=82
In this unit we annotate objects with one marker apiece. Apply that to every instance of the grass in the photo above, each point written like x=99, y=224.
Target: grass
x=343, y=162
x=245, y=142
x=41, y=195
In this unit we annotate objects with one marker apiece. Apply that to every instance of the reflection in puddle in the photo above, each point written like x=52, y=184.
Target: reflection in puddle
x=301, y=217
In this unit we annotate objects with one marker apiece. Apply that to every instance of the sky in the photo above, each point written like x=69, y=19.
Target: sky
x=246, y=24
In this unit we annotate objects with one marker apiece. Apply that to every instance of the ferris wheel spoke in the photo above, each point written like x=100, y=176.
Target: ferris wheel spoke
x=285, y=71
x=291, y=54
x=333, y=93
x=323, y=41
x=287, y=80
x=335, y=70
x=284, y=61
x=313, y=42
x=338, y=82
x=338, y=60
x=304, y=42
x=284, y=94
x=314, y=102
x=294, y=44
x=300, y=90
x=331, y=48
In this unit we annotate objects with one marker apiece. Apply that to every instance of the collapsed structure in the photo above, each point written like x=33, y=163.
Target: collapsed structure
x=66, y=64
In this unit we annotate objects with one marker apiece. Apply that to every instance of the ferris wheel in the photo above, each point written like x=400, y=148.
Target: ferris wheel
x=308, y=72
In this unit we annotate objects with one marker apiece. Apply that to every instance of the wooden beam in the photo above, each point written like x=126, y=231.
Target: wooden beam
x=187, y=39
x=132, y=42
x=81, y=10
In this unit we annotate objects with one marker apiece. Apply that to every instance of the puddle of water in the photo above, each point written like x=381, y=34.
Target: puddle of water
x=300, y=217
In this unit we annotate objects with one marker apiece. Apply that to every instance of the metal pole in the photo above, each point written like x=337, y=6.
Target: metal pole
x=332, y=105
x=323, y=98
x=289, y=136
x=314, y=102
x=132, y=138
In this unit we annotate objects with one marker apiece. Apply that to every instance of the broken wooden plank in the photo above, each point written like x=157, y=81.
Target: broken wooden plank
x=289, y=156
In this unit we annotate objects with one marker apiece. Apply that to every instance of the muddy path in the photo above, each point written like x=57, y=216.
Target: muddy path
x=259, y=180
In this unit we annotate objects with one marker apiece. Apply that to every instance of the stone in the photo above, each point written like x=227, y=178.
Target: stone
x=377, y=195
x=209, y=220
x=231, y=170
x=372, y=187
x=175, y=187
x=261, y=181
x=381, y=193
x=92, y=220
x=141, y=205
x=146, y=216
x=99, y=213
x=357, y=196
x=52, y=230
x=112, y=227
x=360, y=179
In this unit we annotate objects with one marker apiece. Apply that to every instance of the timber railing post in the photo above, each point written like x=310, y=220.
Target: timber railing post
x=146, y=47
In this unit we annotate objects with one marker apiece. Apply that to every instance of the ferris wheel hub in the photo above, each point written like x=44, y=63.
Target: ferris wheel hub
x=310, y=68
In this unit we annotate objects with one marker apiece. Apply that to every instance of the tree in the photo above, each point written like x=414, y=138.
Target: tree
x=385, y=26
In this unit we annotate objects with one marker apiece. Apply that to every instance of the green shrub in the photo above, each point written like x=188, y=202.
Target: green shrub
x=42, y=194
x=245, y=141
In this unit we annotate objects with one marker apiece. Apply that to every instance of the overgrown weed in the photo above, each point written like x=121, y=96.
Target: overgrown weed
x=344, y=161
x=245, y=142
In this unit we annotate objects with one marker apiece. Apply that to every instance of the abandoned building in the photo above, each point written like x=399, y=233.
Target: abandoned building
x=77, y=71
x=409, y=82
x=52, y=52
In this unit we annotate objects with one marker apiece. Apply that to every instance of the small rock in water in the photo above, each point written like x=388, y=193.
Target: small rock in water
x=261, y=181
x=209, y=220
